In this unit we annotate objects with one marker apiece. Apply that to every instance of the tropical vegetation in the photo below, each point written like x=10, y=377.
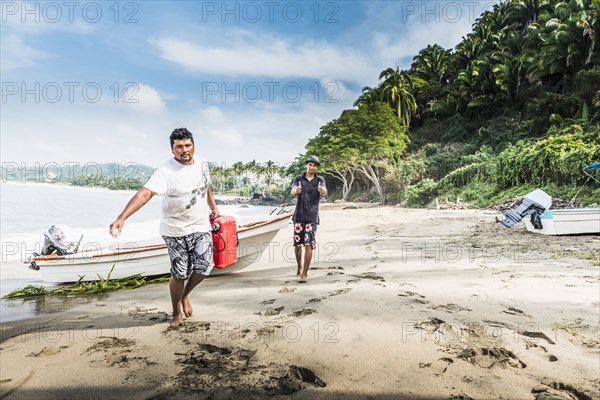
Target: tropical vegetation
x=515, y=105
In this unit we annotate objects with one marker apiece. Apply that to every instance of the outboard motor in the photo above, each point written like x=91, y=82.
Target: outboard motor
x=534, y=204
x=55, y=243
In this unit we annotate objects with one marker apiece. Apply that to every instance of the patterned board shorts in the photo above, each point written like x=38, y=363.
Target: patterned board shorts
x=190, y=253
x=305, y=234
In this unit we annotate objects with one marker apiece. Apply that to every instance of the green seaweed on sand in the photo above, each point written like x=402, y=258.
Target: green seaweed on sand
x=83, y=288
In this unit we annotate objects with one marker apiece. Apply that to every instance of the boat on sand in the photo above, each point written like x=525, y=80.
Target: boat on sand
x=150, y=259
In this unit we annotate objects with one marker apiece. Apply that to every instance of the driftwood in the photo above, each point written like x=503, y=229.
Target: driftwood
x=449, y=205
x=516, y=201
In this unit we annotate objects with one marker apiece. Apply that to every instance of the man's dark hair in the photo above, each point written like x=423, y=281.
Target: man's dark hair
x=180, y=134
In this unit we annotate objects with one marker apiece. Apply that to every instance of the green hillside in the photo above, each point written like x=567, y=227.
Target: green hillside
x=514, y=106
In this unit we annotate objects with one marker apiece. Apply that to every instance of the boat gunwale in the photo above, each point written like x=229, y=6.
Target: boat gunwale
x=147, y=248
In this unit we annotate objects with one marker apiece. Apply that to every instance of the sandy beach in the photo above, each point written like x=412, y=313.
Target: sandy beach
x=400, y=303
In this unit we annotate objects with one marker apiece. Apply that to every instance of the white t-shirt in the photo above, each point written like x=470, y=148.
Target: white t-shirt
x=183, y=189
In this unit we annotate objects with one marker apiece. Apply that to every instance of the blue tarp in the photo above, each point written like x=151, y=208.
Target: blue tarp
x=593, y=166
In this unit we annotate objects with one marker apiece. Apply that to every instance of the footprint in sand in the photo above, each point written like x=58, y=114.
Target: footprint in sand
x=537, y=335
x=111, y=343
x=515, y=311
x=267, y=302
x=48, y=351
x=559, y=391
x=430, y=325
x=303, y=312
x=439, y=366
x=287, y=290
x=269, y=312
x=415, y=297
x=189, y=327
x=370, y=275
x=530, y=345
x=235, y=365
x=487, y=358
x=450, y=308
x=410, y=294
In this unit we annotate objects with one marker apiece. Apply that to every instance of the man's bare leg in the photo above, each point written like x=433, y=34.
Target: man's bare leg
x=298, y=252
x=176, y=287
x=308, y=252
x=192, y=282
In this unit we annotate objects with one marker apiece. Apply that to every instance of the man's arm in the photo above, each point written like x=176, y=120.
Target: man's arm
x=137, y=201
x=212, y=204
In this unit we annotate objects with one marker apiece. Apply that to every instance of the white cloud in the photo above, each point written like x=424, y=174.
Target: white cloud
x=16, y=54
x=143, y=98
x=266, y=55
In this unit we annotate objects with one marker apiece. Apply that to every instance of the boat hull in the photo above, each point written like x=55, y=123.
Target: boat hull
x=572, y=221
x=152, y=260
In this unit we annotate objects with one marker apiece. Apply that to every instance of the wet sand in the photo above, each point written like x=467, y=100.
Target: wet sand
x=400, y=303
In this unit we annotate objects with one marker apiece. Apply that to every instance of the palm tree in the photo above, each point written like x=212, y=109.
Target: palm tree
x=433, y=63
x=396, y=90
x=369, y=96
x=564, y=50
x=529, y=11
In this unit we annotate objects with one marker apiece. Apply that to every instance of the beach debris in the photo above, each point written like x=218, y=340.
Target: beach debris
x=449, y=205
x=82, y=288
x=514, y=202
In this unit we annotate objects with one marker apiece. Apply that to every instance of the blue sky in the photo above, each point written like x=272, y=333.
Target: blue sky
x=108, y=81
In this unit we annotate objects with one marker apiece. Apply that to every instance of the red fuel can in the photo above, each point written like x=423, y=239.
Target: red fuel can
x=224, y=233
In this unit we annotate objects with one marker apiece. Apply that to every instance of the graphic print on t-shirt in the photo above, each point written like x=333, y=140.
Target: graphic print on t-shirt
x=200, y=191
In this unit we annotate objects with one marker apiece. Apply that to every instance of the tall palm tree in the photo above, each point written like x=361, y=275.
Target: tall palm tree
x=396, y=90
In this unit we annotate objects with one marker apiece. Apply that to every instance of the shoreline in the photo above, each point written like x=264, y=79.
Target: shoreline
x=400, y=303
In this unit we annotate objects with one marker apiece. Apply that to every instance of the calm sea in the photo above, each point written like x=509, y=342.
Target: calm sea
x=27, y=210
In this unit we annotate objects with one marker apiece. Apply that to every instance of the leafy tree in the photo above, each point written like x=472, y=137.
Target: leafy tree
x=366, y=140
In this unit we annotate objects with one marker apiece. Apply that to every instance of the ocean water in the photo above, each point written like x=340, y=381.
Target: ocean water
x=28, y=209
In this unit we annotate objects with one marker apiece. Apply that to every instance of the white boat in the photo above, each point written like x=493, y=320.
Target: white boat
x=151, y=259
x=569, y=221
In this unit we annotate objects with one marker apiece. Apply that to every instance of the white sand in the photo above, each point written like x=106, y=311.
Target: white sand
x=400, y=304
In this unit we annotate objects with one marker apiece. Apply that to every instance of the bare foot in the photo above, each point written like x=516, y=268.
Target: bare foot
x=176, y=321
x=303, y=279
x=187, y=307
x=298, y=272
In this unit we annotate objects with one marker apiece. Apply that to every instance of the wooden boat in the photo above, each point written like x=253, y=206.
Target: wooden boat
x=569, y=221
x=151, y=259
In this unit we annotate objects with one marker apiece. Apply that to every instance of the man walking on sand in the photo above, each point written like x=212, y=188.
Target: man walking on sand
x=184, y=183
x=309, y=187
